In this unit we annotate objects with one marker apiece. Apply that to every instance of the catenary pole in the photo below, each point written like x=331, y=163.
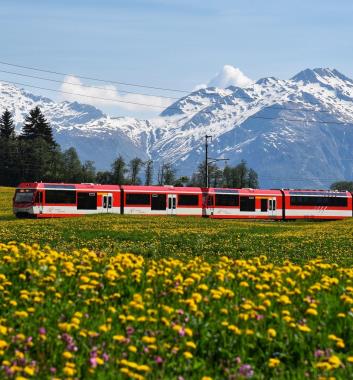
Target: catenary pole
x=206, y=160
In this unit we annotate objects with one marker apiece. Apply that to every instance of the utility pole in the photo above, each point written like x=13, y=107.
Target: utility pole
x=206, y=159
x=209, y=161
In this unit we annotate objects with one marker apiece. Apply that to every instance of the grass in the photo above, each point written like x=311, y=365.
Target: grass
x=136, y=297
x=186, y=237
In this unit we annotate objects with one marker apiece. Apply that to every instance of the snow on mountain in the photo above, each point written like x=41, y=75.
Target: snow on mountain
x=294, y=133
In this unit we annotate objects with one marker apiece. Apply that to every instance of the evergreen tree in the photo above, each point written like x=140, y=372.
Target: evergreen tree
x=8, y=151
x=7, y=128
x=148, y=172
x=253, y=180
x=36, y=126
x=242, y=172
x=135, y=167
x=88, y=172
x=8, y=162
x=118, y=171
x=72, y=166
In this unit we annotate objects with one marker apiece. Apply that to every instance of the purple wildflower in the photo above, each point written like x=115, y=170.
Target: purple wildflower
x=246, y=371
x=158, y=360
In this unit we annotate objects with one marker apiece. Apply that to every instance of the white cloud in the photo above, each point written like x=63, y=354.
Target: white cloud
x=199, y=86
x=109, y=95
x=230, y=76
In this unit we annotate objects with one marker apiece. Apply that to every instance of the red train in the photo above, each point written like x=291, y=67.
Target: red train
x=43, y=200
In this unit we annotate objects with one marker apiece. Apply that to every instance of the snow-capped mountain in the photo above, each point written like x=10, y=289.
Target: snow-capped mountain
x=294, y=133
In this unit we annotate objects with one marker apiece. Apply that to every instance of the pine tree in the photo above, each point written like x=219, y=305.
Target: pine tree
x=36, y=126
x=253, y=180
x=7, y=128
x=72, y=166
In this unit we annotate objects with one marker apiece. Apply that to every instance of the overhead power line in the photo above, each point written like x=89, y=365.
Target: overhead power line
x=95, y=79
x=87, y=96
x=128, y=84
x=144, y=94
x=172, y=108
x=86, y=86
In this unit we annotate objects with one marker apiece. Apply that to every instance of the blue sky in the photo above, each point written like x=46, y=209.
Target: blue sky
x=173, y=43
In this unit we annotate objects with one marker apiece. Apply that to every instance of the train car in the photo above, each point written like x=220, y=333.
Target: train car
x=63, y=200
x=317, y=204
x=44, y=200
x=162, y=200
x=243, y=203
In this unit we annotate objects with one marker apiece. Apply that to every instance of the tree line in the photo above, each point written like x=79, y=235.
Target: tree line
x=34, y=155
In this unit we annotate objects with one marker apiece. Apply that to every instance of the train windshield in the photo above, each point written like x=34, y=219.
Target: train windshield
x=24, y=195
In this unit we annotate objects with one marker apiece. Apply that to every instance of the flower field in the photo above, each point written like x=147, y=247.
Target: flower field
x=174, y=298
x=83, y=314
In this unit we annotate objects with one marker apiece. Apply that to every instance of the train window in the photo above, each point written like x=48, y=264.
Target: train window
x=247, y=203
x=188, y=200
x=158, y=202
x=227, y=200
x=318, y=201
x=24, y=195
x=86, y=201
x=60, y=197
x=137, y=199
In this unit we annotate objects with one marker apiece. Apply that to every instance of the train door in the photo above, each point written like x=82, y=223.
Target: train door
x=272, y=207
x=171, y=209
x=39, y=201
x=207, y=205
x=107, y=202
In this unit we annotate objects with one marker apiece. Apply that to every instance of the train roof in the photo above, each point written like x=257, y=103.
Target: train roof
x=243, y=191
x=322, y=193
x=67, y=186
x=162, y=189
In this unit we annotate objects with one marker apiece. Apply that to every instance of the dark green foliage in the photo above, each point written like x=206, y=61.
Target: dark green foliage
x=35, y=156
x=7, y=128
x=104, y=178
x=36, y=126
x=119, y=171
x=72, y=166
x=88, y=172
x=135, y=166
x=238, y=176
x=166, y=174
x=342, y=186
x=148, y=172
x=182, y=181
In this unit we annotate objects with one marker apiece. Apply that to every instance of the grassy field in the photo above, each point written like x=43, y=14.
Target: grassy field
x=183, y=236
x=127, y=297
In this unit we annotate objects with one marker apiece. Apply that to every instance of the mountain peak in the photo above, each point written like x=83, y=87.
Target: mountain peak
x=319, y=75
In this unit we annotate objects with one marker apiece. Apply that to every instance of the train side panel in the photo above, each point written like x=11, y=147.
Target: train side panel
x=317, y=204
x=67, y=200
x=243, y=204
x=162, y=200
